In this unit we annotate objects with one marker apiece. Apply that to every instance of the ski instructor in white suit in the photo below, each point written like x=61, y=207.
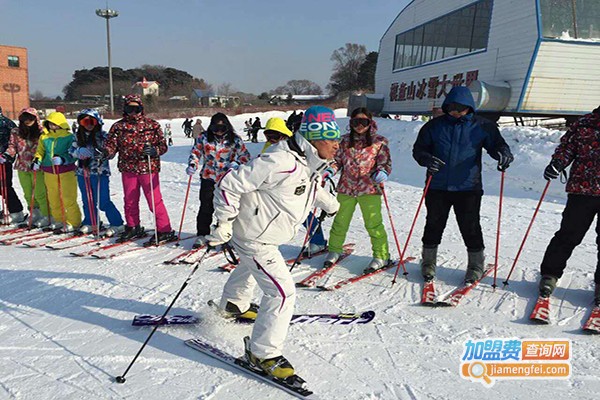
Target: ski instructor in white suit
x=260, y=206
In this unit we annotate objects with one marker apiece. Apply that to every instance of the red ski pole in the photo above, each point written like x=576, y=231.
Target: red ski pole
x=62, y=203
x=498, y=230
x=412, y=226
x=187, y=193
x=387, y=206
x=526, y=234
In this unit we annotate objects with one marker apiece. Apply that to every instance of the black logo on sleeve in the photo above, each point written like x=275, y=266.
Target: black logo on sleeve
x=300, y=190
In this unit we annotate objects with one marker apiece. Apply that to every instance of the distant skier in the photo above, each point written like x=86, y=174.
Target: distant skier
x=168, y=134
x=256, y=125
x=187, y=127
x=450, y=146
x=258, y=208
x=197, y=130
x=578, y=148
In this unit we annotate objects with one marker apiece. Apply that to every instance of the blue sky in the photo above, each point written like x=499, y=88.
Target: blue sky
x=256, y=45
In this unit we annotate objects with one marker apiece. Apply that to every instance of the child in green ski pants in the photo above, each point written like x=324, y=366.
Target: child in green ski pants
x=365, y=163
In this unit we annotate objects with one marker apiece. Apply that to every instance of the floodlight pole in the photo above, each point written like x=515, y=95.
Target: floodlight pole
x=108, y=14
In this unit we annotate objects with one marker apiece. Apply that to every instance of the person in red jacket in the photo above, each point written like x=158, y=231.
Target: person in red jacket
x=138, y=138
x=580, y=148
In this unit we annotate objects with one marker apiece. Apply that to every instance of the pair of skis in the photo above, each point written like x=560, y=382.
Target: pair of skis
x=453, y=299
x=329, y=319
x=360, y=277
x=541, y=315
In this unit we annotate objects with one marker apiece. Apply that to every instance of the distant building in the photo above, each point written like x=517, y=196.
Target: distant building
x=535, y=58
x=207, y=98
x=14, y=80
x=146, y=88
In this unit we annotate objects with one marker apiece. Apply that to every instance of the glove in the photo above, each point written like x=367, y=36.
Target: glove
x=219, y=233
x=505, y=157
x=434, y=165
x=3, y=158
x=191, y=169
x=380, y=176
x=57, y=160
x=553, y=170
x=328, y=173
x=35, y=165
x=234, y=165
x=84, y=153
x=150, y=150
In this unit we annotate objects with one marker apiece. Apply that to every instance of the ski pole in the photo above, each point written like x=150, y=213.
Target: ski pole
x=121, y=378
x=187, y=193
x=3, y=193
x=32, y=203
x=97, y=206
x=412, y=226
x=498, y=229
x=152, y=197
x=526, y=234
x=307, y=240
x=387, y=206
x=90, y=197
x=62, y=202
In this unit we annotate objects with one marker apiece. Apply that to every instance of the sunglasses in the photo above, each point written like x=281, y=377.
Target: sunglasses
x=273, y=136
x=457, y=107
x=219, y=128
x=88, y=121
x=129, y=109
x=356, y=122
x=26, y=117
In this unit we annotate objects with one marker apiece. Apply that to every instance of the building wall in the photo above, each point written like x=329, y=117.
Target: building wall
x=511, y=46
x=565, y=76
x=13, y=78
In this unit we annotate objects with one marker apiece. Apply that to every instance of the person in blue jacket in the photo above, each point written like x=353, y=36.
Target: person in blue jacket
x=88, y=148
x=450, y=147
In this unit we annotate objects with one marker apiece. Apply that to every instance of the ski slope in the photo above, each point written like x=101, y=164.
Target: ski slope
x=65, y=323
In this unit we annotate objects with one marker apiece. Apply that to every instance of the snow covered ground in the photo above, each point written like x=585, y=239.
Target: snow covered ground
x=65, y=323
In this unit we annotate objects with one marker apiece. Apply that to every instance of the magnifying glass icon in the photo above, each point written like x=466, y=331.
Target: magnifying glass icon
x=478, y=370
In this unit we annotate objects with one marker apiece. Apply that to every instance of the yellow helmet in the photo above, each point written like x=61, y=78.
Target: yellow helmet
x=278, y=125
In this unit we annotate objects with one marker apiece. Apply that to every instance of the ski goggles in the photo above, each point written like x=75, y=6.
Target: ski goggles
x=88, y=122
x=457, y=107
x=356, y=122
x=219, y=128
x=26, y=117
x=130, y=109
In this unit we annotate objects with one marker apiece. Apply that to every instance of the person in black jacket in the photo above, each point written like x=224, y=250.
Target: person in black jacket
x=255, y=127
x=450, y=146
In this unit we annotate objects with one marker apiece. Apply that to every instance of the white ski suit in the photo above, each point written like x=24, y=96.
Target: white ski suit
x=267, y=200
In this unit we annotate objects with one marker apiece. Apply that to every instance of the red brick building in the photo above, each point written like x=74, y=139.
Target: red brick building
x=14, y=80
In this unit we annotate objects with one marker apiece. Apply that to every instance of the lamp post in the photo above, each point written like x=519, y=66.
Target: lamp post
x=108, y=14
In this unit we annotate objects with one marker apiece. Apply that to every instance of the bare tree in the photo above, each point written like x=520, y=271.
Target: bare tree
x=346, y=66
x=225, y=89
x=37, y=95
x=298, y=86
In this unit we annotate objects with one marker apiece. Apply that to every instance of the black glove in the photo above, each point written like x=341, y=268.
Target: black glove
x=553, y=170
x=505, y=157
x=433, y=165
x=325, y=214
x=150, y=150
